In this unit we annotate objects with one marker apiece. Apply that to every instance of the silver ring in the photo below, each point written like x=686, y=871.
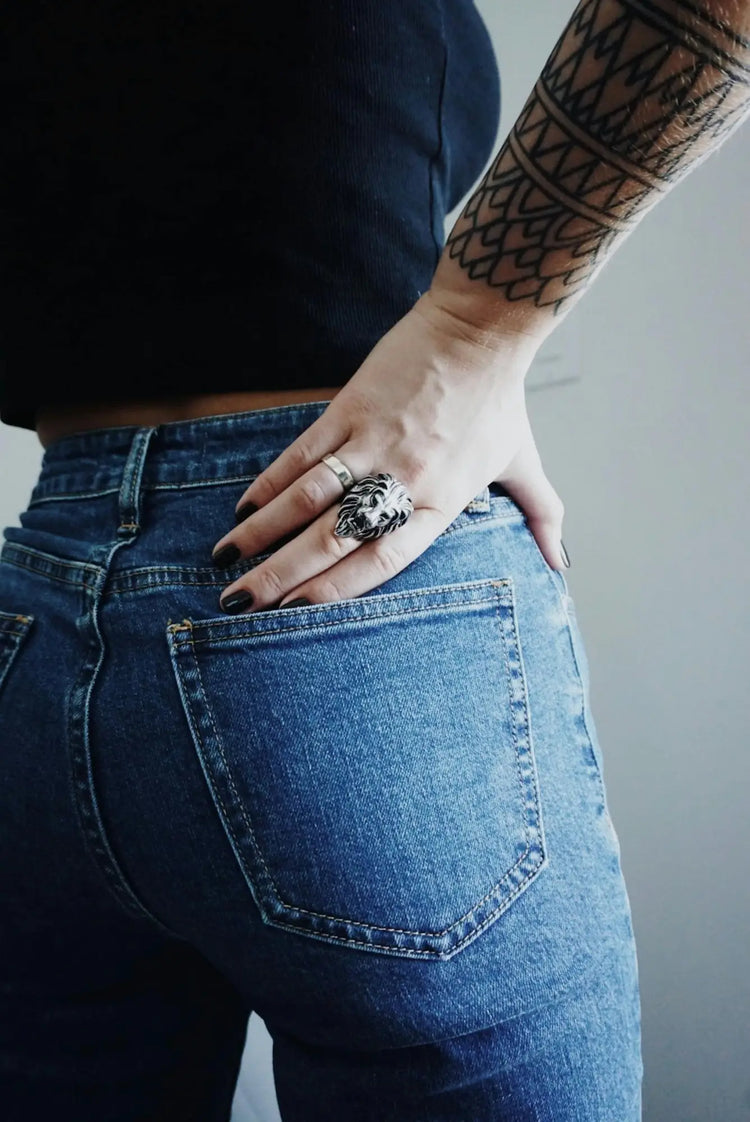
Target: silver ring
x=377, y=505
x=340, y=470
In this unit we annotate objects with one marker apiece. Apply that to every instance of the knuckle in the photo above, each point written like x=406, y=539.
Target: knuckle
x=328, y=590
x=416, y=467
x=311, y=497
x=388, y=560
x=272, y=586
x=300, y=455
x=262, y=490
x=336, y=547
x=361, y=407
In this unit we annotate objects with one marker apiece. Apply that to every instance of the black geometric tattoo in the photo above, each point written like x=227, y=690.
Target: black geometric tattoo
x=634, y=95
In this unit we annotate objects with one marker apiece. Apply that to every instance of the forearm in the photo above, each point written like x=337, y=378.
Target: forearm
x=634, y=95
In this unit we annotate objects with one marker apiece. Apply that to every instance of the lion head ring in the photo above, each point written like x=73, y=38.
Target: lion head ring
x=376, y=505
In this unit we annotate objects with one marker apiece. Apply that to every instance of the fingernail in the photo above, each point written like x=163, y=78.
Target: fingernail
x=236, y=601
x=245, y=511
x=225, y=556
x=564, y=555
x=295, y=603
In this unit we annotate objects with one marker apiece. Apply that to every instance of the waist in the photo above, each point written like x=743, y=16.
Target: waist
x=56, y=422
x=223, y=448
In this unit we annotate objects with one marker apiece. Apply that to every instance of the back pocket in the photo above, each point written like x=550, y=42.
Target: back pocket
x=13, y=630
x=371, y=762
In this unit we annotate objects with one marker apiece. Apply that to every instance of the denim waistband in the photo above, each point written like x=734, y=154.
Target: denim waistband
x=221, y=447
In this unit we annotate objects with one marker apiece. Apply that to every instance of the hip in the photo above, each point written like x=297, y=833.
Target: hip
x=410, y=776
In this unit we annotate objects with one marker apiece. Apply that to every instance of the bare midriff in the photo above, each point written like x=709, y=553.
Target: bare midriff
x=59, y=420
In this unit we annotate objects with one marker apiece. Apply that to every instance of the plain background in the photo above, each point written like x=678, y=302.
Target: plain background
x=649, y=451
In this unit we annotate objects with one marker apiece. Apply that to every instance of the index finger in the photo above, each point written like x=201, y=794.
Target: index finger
x=298, y=505
x=324, y=435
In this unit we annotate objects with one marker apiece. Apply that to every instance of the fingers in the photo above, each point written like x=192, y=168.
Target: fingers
x=526, y=483
x=325, y=434
x=321, y=567
x=312, y=551
x=299, y=504
x=374, y=562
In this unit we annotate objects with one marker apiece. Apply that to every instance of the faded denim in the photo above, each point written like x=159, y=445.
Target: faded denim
x=381, y=822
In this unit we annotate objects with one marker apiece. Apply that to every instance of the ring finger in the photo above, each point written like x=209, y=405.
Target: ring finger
x=310, y=552
x=297, y=505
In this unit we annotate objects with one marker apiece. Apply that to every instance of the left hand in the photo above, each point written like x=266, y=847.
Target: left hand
x=435, y=407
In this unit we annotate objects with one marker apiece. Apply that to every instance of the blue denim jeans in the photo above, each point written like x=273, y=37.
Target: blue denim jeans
x=380, y=822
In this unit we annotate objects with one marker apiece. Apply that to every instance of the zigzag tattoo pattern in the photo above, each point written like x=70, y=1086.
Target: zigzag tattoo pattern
x=633, y=96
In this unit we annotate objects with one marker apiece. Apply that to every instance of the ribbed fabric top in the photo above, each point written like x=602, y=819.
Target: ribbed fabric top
x=219, y=196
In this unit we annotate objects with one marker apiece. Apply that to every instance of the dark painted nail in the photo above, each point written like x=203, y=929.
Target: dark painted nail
x=227, y=555
x=564, y=555
x=295, y=603
x=237, y=601
x=245, y=511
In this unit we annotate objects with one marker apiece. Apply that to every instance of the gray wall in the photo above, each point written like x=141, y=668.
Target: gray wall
x=649, y=451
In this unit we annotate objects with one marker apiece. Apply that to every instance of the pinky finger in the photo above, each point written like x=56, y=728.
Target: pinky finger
x=375, y=562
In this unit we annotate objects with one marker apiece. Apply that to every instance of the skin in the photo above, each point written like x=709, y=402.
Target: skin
x=53, y=423
x=634, y=95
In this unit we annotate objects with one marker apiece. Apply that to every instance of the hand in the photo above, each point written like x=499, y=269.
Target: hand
x=435, y=407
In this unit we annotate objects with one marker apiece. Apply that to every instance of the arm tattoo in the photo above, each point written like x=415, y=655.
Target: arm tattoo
x=633, y=96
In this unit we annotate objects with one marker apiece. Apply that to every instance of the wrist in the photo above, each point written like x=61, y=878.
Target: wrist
x=498, y=328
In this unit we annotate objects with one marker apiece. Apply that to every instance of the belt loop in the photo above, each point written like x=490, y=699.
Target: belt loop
x=129, y=499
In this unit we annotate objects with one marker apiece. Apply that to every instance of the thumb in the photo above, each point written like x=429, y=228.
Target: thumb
x=525, y=481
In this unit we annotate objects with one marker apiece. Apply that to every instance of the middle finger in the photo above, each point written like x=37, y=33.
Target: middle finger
x=297, y=505
x=312, y=551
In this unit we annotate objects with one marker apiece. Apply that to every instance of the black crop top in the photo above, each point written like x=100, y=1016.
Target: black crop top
x=223, y=196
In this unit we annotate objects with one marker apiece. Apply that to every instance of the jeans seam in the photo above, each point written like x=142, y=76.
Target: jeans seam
x=188, y=642
x=582, y=691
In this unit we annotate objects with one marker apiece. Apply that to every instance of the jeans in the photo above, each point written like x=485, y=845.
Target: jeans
x=380, y=822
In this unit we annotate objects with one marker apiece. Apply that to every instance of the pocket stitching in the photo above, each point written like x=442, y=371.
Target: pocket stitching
x=9, y=653
x=503, y=598
x=230, y=774
x=501, y=586
x=342, y=919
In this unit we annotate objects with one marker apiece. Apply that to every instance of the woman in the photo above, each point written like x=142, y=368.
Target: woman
x=294, y=706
